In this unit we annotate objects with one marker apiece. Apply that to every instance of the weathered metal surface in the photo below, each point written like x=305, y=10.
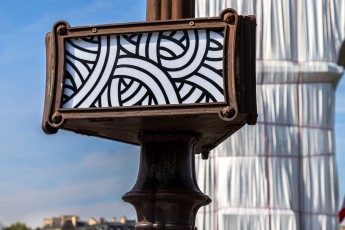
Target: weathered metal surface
x=166, y=194
x=169, y=9
x=205, y=120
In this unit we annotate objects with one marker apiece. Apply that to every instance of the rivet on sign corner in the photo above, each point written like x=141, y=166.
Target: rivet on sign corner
x=191, y=23
x=62, y=30
x=227, y=113
x=57, y=119
x=94, y=30
x=230, y=19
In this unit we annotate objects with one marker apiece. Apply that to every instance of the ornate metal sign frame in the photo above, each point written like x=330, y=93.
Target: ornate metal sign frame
x=212, y=122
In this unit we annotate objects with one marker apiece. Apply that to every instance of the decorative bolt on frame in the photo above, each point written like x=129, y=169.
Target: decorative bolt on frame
x=176, y=87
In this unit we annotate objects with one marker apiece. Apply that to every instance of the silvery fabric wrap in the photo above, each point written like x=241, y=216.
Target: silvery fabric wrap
x=281, y=173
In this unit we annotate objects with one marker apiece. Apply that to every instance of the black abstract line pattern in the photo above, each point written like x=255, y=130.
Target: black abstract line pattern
x=159, y=68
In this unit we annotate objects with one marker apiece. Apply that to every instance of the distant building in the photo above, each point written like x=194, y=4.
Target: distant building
x=102, y=224
x=72, y=222
x=68, y=222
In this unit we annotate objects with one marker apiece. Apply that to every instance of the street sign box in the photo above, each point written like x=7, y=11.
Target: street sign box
x=181, y=76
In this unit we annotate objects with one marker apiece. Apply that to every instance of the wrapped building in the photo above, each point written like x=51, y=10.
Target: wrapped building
x=281, y=173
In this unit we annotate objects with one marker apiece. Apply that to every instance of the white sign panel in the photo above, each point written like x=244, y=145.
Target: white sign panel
x=158, y=68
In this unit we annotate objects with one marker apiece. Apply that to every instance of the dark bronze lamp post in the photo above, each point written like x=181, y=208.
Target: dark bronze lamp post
x=175, y=85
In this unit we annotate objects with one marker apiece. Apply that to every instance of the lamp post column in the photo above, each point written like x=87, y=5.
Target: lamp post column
x=166, y=194
x=169, y=9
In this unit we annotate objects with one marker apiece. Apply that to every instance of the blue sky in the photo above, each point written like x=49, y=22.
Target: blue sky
x=340, y=135
x=44, y=176
x=51, y=175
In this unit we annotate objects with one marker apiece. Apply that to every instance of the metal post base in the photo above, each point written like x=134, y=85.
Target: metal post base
x=166, y=195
